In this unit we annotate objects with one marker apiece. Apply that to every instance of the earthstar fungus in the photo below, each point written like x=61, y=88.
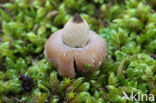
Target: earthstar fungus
x=74, y=46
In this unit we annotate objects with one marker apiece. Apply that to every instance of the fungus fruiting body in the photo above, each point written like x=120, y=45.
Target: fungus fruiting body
x=74, y=46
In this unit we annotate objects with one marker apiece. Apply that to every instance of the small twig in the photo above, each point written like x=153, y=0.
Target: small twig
x=52, y=14
x=16, y=99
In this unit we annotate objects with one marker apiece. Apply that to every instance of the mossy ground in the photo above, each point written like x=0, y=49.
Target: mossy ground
x=128, y=26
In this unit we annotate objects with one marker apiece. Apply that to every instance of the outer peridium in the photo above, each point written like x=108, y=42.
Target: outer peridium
x=68, y=60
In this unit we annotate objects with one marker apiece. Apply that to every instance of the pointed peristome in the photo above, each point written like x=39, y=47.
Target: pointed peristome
x=77, y=18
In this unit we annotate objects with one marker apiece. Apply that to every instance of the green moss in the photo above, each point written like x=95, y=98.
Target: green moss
x=129, y=27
